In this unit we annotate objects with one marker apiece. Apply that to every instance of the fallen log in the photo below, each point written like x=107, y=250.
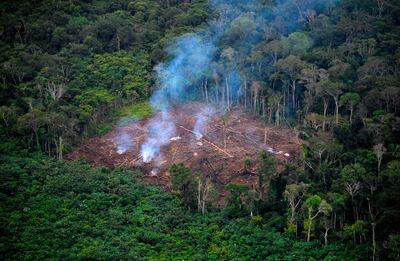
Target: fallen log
x=209, y=142
x=132, y=162
x=121, y=164
x=214, y=176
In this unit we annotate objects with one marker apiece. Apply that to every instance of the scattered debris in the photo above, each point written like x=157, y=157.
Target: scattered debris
x=121, y=151
x=245, y=137
x=153, y=172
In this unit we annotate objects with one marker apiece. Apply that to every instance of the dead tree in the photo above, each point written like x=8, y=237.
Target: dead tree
x=379, y=150
x=203, y=193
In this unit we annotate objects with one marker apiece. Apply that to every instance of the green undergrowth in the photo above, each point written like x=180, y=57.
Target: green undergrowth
x=53, y=210
x=126, y=115
x=137, y=111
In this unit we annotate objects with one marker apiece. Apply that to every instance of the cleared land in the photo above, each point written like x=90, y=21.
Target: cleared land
x=228, y=138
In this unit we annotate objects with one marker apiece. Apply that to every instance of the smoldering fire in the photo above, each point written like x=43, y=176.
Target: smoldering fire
x=161, y=130
x=195, y=56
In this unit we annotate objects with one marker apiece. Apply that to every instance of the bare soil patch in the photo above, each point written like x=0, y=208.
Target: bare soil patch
x=245, y=136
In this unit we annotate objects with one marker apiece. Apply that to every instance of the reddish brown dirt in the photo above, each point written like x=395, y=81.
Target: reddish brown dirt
x=208, y=156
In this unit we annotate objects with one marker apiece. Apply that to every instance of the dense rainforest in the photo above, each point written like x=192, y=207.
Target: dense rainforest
x=71, y=69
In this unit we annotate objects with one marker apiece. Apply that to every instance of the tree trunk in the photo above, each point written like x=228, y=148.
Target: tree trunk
x=255, y=101
x=245, y=93
x=373, y=241
x=277, y=116
x=309, y=229
x=263, y=106
x=381, y=7
x=206, y=89
x=294, y=94
x=325, y=111
x=284, y=103
x=37, y=140
x=60, y=148
x=336, y=110
x=351, y=114
x=5, y=119
x=223, y=89
x=227, y=91
x=326, y=237
x=373, y=226
x=118, y=43
x=293, y=216
x=270, y=115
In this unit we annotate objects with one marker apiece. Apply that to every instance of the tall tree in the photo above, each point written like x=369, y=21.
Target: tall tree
x=315, y=206
x=291, y=67
x=266, y=168
x=294, y=194
x=350, y=100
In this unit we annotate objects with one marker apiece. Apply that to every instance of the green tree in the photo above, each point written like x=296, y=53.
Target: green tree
x=33, y=120
x=206, y=192
x=299, y=43
x=8, y=114
x=294, y=194
x=123, y=73
x=291, y=66
x=356, y=229
x=334, y=89
x=182, y=182
x=351, y=176
x=350, y=100
x=266, y=169
x=315, y=206
x=238, y=194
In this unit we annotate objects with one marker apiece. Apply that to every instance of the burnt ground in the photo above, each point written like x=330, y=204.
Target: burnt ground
x=245, y=137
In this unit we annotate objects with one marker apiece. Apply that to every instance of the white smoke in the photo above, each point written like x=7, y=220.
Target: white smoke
x=161, y=130
x=192, y=53
x=201, y=121
x=193, y=56
x=124, y=143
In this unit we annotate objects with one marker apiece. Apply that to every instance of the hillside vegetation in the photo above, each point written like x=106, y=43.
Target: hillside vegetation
x=69, y=69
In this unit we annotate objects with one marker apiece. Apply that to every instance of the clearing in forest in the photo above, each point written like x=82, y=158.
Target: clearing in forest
x=227, y=139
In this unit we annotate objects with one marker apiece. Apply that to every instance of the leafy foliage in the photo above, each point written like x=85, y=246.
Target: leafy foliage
x=59, y=210
x=68, y=68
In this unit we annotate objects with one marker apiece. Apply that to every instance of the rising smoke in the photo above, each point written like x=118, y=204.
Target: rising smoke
x=192, y=53
x=201, y=121
x=161, y=130
x=124, y=142
x=193, y=57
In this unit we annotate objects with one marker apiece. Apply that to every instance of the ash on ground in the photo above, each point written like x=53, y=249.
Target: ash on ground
x=209, y=154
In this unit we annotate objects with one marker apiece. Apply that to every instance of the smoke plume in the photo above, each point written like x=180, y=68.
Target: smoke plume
x=201, y=121
x=124, y=143
x=217, y=53
x=161, y=129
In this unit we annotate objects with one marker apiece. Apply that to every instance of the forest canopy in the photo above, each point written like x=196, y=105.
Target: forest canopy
x=329, y=70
